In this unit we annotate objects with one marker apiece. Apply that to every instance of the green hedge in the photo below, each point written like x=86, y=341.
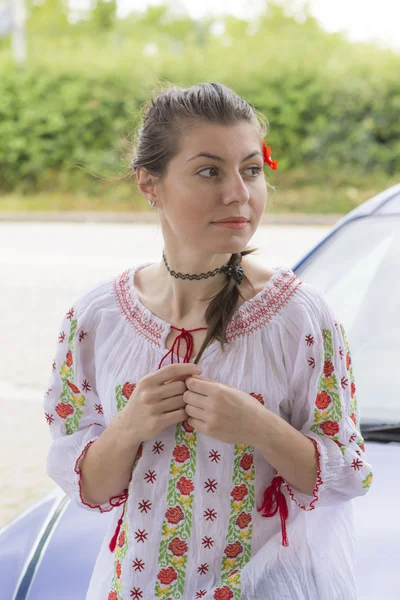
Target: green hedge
x=331, y=104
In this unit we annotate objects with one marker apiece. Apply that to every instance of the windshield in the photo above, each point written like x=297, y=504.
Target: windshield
x=358, y=270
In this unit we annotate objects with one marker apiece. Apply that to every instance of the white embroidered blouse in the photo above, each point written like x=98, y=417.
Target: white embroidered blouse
x=191, y=525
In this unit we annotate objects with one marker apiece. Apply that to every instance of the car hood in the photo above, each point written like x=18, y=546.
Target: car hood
x=378, y=525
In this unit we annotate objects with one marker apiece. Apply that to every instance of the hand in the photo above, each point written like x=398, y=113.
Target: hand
x=222, y=411
x=156, y=402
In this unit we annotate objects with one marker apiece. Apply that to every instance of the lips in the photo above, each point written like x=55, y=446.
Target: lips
x=233, y=220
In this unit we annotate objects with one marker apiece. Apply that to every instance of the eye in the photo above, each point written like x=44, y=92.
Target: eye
x=256, y=169
x=208, y=169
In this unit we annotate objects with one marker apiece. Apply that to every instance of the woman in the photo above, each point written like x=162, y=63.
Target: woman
x=233, y=484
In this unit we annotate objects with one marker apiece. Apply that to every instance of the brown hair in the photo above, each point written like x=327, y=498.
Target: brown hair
x=165, y=115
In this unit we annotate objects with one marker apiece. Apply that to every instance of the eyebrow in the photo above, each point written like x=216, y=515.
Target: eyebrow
x=215, y=157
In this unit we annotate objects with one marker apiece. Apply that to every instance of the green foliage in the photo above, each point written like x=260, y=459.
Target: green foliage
x=69, y=115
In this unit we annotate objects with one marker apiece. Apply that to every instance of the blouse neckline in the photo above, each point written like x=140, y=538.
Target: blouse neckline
x=251, y=315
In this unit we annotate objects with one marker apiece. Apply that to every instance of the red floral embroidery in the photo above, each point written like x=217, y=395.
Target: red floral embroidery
x=136, y=593
x=323, y=400
x=188, y=428
x=86, y=386
x=185, y=486
x=239, y=492
x=330, y=427
x=98, y=408
x=178, y=547
x=112, y=596
x=64, y=410
x=246, y=462
x=61, y=337
x=353, y=389
x=243, y=520
x=121, y=539
x=223, y=593
x=174, y=515
x=128, y=389
x=70, y=313
x=258, y=397
x=348, y=361
x=69, y=360
x=181, y=453
x=118, y=569
x=353, y=418
x=73, y=387
x=328, y=368
x=233, y=550
x=167, y=576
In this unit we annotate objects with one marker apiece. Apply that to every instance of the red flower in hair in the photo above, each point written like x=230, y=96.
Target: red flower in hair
x=267, y=157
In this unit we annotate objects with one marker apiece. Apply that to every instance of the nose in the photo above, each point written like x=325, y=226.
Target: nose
x=235, y=190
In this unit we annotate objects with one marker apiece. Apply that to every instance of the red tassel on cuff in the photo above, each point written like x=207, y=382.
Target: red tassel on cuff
x=121, y=499
x=273, y=501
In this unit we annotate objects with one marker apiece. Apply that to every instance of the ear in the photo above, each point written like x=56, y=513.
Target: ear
x=146, y=183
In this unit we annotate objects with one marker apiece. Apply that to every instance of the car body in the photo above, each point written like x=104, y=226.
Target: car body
x=50, y=550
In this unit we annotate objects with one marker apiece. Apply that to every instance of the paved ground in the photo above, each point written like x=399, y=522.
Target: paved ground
x=44, y=267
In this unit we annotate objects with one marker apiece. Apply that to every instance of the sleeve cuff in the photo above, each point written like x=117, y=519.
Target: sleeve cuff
x=305, y=501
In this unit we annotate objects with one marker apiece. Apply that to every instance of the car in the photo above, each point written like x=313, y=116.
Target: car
x=50, y=550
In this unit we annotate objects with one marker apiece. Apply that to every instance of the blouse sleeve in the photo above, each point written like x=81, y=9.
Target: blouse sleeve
x=72, y=407
x=324, y=407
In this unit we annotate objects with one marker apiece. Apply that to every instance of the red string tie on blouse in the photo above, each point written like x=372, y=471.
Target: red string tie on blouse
x=273, y=501
x=121, y=499
x=185, y=334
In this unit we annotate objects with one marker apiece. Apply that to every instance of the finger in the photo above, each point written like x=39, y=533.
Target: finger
x=195, y=412
x=194, y=399
x=173, y=371
x=171, y=404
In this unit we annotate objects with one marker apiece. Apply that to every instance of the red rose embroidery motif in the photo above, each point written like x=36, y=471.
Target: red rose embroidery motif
x=223, y=593
x=118, y=569
x=181, y=453
x=64, y=410
x=73, y=387
x=362, y=447
x=167, y=576
x=187, y=427
x=112, y=596
x=178, y=547
x=246, y=462
x=330, y=427
x=243, y=520
x=328, y=368
x=127, y=390
x=233, y=550
x=348, y=361
x=121, y=539
x=69, y=358
x=353, y=418
x=239, y=492
x=174, y=515
x=259, y=398
x=185, y=486
x=323, y=400
x=353, y=389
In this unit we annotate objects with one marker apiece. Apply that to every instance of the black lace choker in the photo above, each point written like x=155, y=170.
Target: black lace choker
x=230, y=269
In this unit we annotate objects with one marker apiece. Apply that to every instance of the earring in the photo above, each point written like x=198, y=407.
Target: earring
x=151, y=202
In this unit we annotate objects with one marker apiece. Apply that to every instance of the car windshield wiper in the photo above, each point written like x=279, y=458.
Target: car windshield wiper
x=381, y=432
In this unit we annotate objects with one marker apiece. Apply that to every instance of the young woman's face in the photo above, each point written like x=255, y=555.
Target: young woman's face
x=198, y=190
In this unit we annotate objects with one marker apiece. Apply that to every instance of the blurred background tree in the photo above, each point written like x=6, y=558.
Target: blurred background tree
x=67, y=119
